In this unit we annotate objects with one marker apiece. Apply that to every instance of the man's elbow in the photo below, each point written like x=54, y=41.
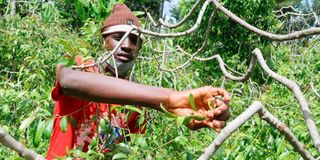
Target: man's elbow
x=65, y=78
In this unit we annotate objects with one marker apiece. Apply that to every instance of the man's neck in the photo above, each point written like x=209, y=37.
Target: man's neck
x=106, y=70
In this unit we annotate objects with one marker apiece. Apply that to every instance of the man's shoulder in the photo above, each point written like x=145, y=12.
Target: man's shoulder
x=86, y=64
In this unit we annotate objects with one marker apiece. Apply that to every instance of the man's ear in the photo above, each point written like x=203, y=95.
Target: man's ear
x=104, y=42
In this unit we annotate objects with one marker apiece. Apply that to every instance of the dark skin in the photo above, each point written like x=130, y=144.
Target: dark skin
x=107, y=89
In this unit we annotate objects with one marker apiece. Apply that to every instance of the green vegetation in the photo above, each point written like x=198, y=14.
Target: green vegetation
x=40, y=34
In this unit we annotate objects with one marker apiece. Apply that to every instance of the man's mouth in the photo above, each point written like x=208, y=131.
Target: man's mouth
x=124, y=57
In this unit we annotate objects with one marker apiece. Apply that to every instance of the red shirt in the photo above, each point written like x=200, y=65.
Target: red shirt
x=79, y=134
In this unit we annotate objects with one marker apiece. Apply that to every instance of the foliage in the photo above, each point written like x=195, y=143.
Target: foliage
x=35, y=40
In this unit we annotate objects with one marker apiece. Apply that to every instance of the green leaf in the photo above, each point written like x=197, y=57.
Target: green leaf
x=103, y=125
x=119, y=156
x=140, y=120
x=73, y=122
x=67, y=61
x=25, y=123
x=48, y=128
x=64, y=124
x=167, y=113
x=191, y=101
x=93, y=142
x=185, y=120
x=180, y=120
x=84, y=50
x=38, y=134
x=138, y=13
x=133, y=108
x=210, y=105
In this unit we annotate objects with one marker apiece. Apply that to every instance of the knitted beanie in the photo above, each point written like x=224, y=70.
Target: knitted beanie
x=120, y=20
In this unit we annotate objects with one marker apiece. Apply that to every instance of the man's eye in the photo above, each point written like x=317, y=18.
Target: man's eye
x=118, y=38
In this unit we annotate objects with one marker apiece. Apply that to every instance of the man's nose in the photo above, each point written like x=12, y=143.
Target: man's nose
x=127, y=45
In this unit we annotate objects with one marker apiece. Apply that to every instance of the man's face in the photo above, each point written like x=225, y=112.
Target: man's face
x=128, y=50
x=126, y=54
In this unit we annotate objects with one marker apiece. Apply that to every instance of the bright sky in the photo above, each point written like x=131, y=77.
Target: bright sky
x=168, y=6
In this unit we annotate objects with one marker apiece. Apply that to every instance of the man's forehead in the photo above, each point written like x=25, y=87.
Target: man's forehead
x=121, y=34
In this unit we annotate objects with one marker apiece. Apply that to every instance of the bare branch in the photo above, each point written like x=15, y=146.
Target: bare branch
x=178, y=34
x=204, y=44
x=277, y=37
x=314, y=90
x=153, y=23
x=229, y=129
x=294, y=14
x=244, y=77
x=164, y=58
x=285, y=9
x=13, y=7
x=255, y=107
x=156, y=57
x=291, y=85
x=195, y=6
x=11, y=143
x=298, y=146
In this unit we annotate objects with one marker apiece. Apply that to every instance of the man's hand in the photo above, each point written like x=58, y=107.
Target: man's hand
x=178, y=103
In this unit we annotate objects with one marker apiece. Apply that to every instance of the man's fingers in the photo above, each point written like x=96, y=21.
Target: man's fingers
x=222, y=108
x=215, y=124
x=210, y=114
x=211, y=103
x=220, y=92
x=223, y=117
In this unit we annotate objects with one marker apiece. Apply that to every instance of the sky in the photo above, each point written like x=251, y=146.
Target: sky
x=168, y=6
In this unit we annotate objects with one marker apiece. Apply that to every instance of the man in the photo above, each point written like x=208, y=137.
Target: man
x=84, y=96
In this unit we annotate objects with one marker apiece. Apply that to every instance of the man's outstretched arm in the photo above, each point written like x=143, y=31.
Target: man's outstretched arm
x=99, y=88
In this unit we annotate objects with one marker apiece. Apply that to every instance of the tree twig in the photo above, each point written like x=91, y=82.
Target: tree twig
x=277, y=37
x=314, y=90
x=178, y=34
x=204, y=44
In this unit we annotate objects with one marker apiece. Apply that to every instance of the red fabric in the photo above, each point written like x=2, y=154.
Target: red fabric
x=79, y=136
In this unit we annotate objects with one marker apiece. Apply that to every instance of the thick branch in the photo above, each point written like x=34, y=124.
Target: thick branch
x=291, y=85
x=298, y=146
x=10, y=142
x=255, y=107
x=229, y=129
x=277, y=37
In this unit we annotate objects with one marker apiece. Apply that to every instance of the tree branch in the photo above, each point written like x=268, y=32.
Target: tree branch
x=204, y=44
x=11, y=143
x=178, y=34
x=298, y=146
x=277, y=37
x=314, y=90
x=255, y=107
x=291, y=85
x=195, y=6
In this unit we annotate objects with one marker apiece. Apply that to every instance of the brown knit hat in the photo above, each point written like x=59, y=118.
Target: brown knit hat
x=120, y=20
